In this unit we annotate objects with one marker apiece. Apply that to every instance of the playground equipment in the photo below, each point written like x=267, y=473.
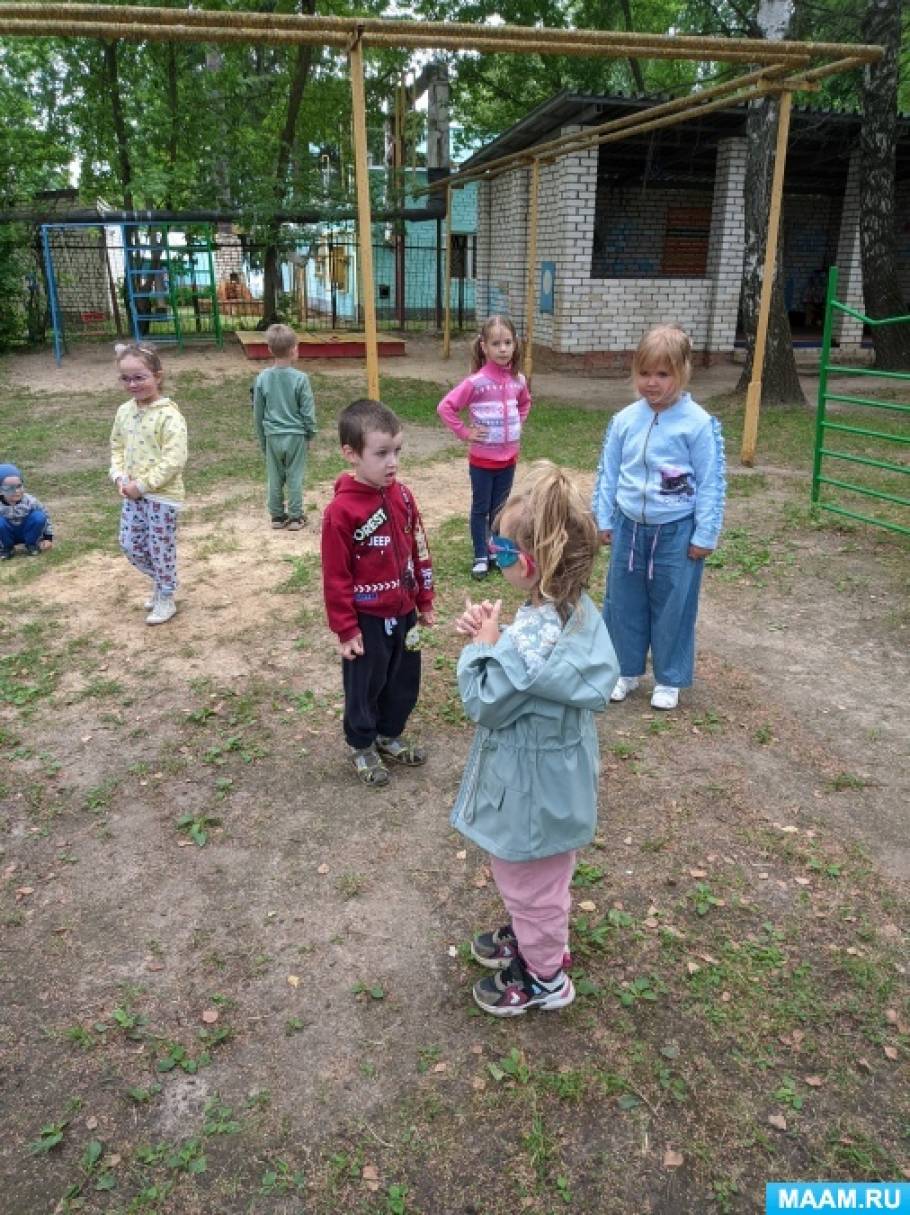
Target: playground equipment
x=825, y=424
x=783, y=67
x=321, y=345
x=161, y=275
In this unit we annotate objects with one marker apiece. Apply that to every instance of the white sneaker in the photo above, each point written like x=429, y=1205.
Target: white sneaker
x=480, y=568
x=664, y=697
x=163, y=609
x=624, y=685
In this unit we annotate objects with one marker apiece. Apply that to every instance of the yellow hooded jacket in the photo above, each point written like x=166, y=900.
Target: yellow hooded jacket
x=148, y=445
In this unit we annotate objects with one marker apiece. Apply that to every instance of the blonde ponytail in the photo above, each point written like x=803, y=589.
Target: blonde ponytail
x=549, y=518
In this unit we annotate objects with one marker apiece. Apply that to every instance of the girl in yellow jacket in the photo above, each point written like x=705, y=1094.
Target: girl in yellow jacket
x=148, y=452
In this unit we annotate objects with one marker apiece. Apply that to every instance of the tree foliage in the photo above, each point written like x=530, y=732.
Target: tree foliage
x=492, y=92
x=192, y=126
x=33, y=157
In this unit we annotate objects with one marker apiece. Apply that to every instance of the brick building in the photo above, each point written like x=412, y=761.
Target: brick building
x=650, y=228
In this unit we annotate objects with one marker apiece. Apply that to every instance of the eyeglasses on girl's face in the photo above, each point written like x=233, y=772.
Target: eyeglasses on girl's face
x=507, y=552
x=11, y=487
x=136, y=379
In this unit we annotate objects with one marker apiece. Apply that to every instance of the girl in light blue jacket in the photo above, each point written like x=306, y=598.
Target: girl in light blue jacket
x=659, y=502
x=529, y=791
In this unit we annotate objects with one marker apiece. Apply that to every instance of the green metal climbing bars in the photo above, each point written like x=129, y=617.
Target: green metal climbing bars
x=827, y=427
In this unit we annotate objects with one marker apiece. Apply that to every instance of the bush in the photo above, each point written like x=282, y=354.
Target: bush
x=23, y=311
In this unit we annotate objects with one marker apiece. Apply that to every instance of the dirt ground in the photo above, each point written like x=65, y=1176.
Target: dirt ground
x=306, y=890
x=423, y=361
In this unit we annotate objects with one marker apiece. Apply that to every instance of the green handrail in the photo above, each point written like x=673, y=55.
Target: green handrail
x=885, y=375
x=823, y=425
x=885, y=464
x=852, y=514
x=865, y=491
x=861, y=316
x=870, y=434
x=836, y=396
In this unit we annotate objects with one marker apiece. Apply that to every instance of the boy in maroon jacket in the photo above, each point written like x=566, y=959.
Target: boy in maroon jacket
x=378, y=584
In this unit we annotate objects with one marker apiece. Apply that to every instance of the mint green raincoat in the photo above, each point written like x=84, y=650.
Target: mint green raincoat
x=530, y=784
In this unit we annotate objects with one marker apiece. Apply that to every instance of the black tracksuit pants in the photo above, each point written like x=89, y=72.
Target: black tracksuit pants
x=382, y=685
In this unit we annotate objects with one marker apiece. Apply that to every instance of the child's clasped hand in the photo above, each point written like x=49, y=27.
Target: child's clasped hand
x=480, y=621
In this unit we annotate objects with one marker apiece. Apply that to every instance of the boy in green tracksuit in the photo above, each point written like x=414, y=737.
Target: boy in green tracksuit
x=284, y=416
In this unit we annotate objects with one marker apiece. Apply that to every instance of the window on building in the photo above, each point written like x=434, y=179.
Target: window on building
x=686, y=236
x=652, y=207
x=464, y=252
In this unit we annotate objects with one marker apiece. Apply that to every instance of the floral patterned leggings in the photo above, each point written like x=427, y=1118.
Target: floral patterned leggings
x=148, y=537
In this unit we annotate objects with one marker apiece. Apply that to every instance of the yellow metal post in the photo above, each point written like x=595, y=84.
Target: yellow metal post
x=753, y=393
x=531, y=285
x=447, y=325
x=364, y=220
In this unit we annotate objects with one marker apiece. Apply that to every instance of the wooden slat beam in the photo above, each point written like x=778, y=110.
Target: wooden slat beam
x=264, y=27
x=364, y=218
x=447, y=328
x=753, y=393
x=531, y=282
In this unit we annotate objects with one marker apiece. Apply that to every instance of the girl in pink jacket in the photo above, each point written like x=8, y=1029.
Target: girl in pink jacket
x=496, y=397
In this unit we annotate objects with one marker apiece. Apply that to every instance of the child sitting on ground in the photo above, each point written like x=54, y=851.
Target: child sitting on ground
x=23, y=520
x=284, y=417
x=529, y=791
x=378, y=584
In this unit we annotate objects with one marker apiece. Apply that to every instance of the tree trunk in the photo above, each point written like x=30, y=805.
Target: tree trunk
x=271, y=269
x=881, y=285
x=780, y=383
x=638, y=80
x=120, y=133
x=174, y=121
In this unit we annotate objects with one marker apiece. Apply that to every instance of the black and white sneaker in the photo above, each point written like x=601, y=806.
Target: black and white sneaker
x=495, y=949
x=511, y=992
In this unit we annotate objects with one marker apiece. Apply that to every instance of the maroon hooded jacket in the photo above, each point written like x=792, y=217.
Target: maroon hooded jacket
x=375, y=557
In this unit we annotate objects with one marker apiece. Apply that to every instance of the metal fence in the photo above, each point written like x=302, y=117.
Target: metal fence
x=169, y=283
x=857, y=450
x=322, y=285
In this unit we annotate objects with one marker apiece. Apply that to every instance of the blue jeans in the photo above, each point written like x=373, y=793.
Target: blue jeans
x=652, y=599
x=27, y=531
x=489, y=489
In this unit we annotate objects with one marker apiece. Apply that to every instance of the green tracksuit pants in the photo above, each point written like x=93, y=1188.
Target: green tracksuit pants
x=285, y=462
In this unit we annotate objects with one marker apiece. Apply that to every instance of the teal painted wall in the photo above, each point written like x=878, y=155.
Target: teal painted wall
x=421, y=269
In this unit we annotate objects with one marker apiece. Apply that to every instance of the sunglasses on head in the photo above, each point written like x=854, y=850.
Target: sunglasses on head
x=507, y=552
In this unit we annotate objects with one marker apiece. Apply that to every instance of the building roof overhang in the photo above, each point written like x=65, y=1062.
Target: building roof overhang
x=821, y=142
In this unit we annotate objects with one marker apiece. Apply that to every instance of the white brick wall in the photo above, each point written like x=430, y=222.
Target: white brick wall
x=726, y=245
x=591, y=315
x=601, y=317
x=849, y=262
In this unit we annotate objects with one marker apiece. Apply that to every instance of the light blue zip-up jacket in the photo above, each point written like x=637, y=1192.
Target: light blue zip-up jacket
x=529, y=788
x=661, y=467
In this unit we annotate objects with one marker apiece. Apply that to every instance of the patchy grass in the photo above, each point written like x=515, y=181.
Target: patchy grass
x=233, y=982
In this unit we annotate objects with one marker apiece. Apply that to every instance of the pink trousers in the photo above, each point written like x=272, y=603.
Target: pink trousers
x=536, y=895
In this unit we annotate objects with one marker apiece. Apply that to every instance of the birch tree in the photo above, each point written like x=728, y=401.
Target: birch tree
x=881, y=284
x=780, y=382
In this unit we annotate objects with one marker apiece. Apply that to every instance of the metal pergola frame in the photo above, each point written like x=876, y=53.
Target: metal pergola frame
x=777, y=67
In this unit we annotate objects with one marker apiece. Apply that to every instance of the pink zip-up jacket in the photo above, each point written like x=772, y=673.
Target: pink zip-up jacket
x=496, y=398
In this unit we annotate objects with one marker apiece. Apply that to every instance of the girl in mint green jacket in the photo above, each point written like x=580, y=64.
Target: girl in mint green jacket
x=529, y=792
